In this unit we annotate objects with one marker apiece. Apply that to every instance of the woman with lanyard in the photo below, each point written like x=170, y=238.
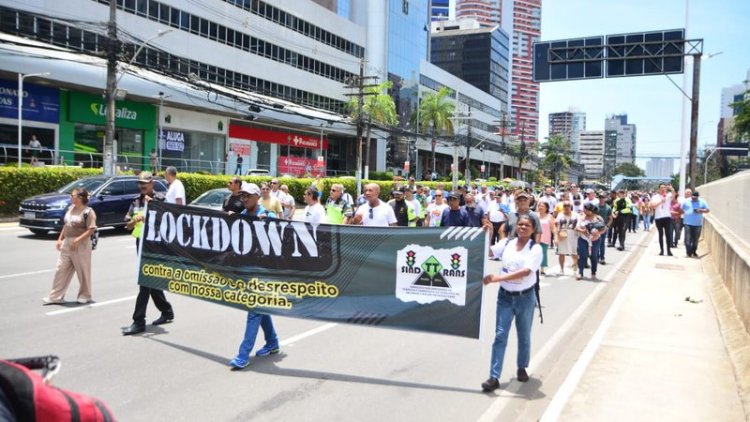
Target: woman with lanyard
x=521, y=258
x=590, y=229
x=566, y=239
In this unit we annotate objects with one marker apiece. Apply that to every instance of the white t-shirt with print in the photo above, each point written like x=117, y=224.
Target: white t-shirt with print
x=315, y=213
x=176, y=191
x=382, y=215
x=513, y=260
x=662, y=209
x=435, y=212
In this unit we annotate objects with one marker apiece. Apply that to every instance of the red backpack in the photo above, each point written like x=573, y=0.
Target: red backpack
x=24, y=395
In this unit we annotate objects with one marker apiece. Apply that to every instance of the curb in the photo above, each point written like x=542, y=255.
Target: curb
x=736, y=338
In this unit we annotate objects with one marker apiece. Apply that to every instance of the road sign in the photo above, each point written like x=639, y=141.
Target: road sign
x=582, y=57
x=645, y=53
x=736, y=149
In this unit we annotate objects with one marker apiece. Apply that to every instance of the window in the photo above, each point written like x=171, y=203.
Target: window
x=164, y=13
x=195, y=24
x=141, y=7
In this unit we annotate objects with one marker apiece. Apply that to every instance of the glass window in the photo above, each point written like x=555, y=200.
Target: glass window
x=164, y=13
x=195, y=24
x=153, y=10
x=141, y=7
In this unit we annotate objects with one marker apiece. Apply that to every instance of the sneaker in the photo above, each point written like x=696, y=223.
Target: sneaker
x=491, y=384
x=267, y=350
x=48, y=301
x=602, y=262
x=83, y=301
x=239, y=363
x=521, y=375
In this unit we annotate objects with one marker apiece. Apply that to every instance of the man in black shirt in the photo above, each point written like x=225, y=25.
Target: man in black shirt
x=400, y=207
x=233, y=204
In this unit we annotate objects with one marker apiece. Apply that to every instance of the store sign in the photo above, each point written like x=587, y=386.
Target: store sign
x=87, y=108
x=281, y=138
x=40, y=104
x=299, y=166
x=172, y=140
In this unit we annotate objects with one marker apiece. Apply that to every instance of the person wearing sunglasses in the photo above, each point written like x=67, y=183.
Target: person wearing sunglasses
x=434, y=214
x=254, y=210
x=314, y=212
x=233, y=204
x=374, y=212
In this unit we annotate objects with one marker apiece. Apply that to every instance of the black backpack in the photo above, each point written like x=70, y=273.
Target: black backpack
x=95, y=234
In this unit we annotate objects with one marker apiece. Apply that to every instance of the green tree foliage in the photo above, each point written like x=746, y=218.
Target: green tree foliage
x=378, y=107
x=742, y=118
x=557, y=158
x=435, y=113
x=629, y=170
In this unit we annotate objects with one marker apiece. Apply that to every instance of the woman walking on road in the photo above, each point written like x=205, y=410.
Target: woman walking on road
x=521, y=258
x=590, y=229
x=548, y=227
x=74, y=244
x=567, y=238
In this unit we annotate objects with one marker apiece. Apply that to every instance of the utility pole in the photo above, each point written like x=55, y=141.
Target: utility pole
x=109, y=95
x=505, y=124
x=358, y=83
x=522, y=150
x=467, y=164
x=694, y=118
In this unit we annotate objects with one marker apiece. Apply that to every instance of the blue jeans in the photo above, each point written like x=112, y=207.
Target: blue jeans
x=646, y=221
x=583, y=254
x=603, y=245
x=522, y=308
x=692, y=234
x=254, y=321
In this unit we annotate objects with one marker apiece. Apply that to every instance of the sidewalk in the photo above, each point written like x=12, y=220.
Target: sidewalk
x=657, y=355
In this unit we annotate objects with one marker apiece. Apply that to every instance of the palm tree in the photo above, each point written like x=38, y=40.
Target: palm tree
x=556, y=156
x=378, y=107
x=436, y=111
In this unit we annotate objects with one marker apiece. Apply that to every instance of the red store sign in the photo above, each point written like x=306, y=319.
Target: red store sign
x=299, y=166
x=281, y=138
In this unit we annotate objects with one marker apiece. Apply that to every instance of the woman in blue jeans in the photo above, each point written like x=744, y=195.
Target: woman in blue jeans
x=590, y=228
x=521, y=259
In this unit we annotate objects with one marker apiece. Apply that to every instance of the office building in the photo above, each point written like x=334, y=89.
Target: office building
x=619, y=142
x=569, y=124
x=443, y=10
x=592, y=153
x=486, y=12
x=479, y=56
x=660, y=167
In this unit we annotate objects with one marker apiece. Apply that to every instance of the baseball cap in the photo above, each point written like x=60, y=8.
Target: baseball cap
x=455, y=195
x=523, y=195
x=399, y=191
x=250, y=188
x=145, y=177
x=696, y=193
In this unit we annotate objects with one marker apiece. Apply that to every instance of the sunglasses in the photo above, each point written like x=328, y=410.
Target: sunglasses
x=438, y=196
x=274, y=183
x=370, y=213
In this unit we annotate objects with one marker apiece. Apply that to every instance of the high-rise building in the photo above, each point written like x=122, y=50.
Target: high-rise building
x=523, y=20
x=592, y=153
x=729, y=95
x=442, y=10
x=479, y=56
x=619, y=142
x=569, y=124
x=660, y=167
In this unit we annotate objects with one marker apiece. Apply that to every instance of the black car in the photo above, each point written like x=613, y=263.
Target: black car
x=109, y=197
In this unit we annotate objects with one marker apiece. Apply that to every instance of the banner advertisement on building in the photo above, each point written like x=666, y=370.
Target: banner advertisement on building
x=86, y=108
x=40, y=104
x=300, y=166
x=397, y=277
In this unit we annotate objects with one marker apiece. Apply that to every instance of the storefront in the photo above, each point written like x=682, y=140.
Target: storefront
x=193, y=141
x=82, y=129
x=41, y=114
x=278, y=152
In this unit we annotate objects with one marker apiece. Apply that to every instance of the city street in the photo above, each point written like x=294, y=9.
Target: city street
x=324, y=372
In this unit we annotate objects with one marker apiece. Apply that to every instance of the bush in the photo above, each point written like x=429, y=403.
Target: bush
x=21, y=183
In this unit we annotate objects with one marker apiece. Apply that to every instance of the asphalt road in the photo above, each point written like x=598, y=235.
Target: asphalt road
x=325, y=372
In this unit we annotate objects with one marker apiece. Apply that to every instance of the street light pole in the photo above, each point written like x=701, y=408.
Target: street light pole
x=21, y=77
x=694, y=100
x=705, y=163
x=109, y=94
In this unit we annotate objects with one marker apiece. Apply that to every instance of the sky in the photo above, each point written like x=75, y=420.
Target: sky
x=653, y=103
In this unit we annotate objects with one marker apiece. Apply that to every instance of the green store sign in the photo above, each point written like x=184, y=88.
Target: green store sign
x=85, y=108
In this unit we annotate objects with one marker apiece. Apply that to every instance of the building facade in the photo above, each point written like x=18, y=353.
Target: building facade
x=620, y=142
x=486, y=12
x=569, y=124
x=660, y=167
x=592, y=153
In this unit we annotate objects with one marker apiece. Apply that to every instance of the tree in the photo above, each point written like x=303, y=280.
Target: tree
x=378, y=107
x=741, y=118
x=557, y=158
x=522, y=152
x=436, y=111
x=629, y=170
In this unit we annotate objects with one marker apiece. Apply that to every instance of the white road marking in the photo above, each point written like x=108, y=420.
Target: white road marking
x=308, y=333
x=28, y=273
x=93, y=305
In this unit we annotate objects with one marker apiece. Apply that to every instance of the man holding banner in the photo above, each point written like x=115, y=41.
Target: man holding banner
x=249, y=195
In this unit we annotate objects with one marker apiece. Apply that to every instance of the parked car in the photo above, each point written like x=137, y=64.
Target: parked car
x=213, y=199
x=257, y=172
x=109, y=197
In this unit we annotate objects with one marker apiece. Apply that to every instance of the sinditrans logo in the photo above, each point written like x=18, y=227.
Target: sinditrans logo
x=425, y=274
x=431, y=272
x=120, y=113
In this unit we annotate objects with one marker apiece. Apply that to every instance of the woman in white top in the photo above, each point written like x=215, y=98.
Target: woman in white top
x=566, y=237
x=521, y=258
x=663, y=216
x=314, y=212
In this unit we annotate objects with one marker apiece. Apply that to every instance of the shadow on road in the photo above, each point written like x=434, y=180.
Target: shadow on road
x=267, y=365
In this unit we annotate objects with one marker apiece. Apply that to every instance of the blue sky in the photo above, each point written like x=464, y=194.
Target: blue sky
x=651, y=102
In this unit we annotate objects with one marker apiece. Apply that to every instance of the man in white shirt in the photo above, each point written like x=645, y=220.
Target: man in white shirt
x=434, y=213
x=374, y=212
x=314, y=212
x=660, y=203
x=176, y=192
x=590, y=198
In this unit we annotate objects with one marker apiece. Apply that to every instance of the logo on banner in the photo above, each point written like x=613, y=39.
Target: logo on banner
x=120, y=113
x=427, y=275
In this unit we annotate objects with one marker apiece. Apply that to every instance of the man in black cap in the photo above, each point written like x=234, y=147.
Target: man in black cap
x=455, y=215
x=401, y=208
x=134, y=219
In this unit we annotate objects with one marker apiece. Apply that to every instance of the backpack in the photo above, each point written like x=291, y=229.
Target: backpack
x=95, y=234
x=30, y=398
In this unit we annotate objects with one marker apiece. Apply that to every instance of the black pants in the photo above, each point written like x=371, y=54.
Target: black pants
x=623, y=224
x=141, y=302
x=676, y=230
x=612, y=233
x=664, y=226
x=495, y=232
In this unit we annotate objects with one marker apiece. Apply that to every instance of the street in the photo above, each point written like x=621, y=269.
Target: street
x=324, y=371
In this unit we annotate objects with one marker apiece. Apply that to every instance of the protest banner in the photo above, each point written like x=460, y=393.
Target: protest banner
x=426, y=279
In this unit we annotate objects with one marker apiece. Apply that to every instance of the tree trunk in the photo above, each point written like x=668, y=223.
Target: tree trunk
x=367, y=149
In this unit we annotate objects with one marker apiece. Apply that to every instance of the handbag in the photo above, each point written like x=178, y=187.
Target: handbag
x=562, y=234
x=95, y=234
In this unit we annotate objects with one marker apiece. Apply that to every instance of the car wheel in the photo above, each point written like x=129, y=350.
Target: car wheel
x=39, y=232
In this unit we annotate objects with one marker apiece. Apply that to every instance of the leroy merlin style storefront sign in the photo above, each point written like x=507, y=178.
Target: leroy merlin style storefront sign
x=411, y=278
x=86, y=108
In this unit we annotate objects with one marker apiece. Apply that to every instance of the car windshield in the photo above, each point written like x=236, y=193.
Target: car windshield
x=90, y=184
x=212, y=198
